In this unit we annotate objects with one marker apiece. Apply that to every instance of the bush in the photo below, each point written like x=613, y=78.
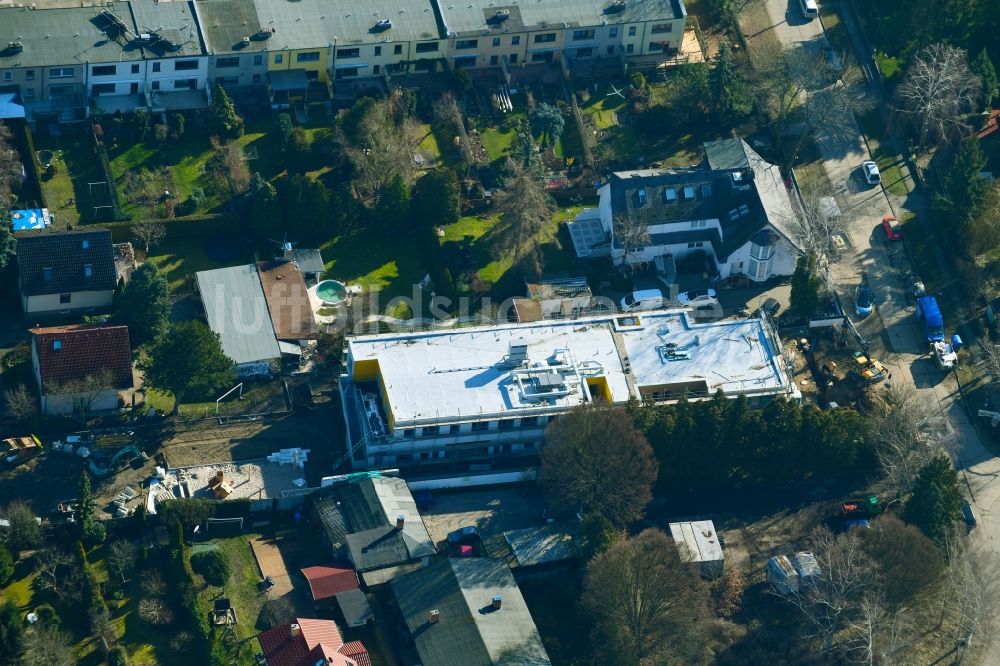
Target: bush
x=47, y=615
x=96, y=533
x=211, y=565
x=6, y=565
x=118, y=656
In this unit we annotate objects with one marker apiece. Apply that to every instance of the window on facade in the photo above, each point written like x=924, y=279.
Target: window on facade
x=395, y=68
x=609, y=50
x=454, y=429
x=513, y=58
x=427, y=431
x=397, y=49
x=699, y=224
x=465, y=63
x=308, y=56
x=584, y=53
x=494, y=60
x=29, y=94
x=348, y=53
x=61, y=73
x=378, y=50
x=427, y=47
x=135, y=68
x=227, y=80
x=29, y=75
x=88, y=270
x=65, y=298
x=156, y=66
x=762, y=252
x=631, y=31
x=505, y=424
x=104, y=70
x=376, y=69
x=655, y=47
x=156, y=85
x=278, y=58
x=185, y=84
x=694, y=245
x=410, y=433
x=630, y=48
x=8, y=76
x=256, y=78
x=103, y=89
x=580, y=35
x=613, y=32
x=660, y=28
x=545, y=38
x=258, y=60
x=515, y=40
x=346, y=72
x=541, y=57
x=228, y=62
x=480, y=426
x=47, y=274
x=466, y=43
x=529, y=421
x=185, y=65
x=496, y=41
x=530, y=446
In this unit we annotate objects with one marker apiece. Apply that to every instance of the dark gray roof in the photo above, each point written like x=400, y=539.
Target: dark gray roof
x=63, y=36
x=545, y=544
x=225, y=23
x=376, y=548
x=309, y=261
x=469, y=631
x=65, y=257
x=355, y=607
x=735, y=185
x=359, y=514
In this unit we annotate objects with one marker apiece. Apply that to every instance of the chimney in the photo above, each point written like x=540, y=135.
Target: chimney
x=295, y=630
x=497, y=601
x=400, y=521
x=432, y=617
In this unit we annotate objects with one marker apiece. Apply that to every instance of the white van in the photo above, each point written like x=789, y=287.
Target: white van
x=644, y=299
x=809, y=9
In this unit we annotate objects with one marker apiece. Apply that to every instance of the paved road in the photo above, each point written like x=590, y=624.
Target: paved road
x=894, y=334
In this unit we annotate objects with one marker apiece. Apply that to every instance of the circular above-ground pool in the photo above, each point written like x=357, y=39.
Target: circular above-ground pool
x=331, y=292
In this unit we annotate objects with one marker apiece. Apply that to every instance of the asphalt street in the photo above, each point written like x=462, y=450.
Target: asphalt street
x=894, y=332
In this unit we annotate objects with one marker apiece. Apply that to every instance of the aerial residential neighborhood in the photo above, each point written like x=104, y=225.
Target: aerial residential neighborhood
x=569, y=332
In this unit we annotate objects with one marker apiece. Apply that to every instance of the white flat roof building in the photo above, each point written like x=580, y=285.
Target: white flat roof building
x=487, y=391
x=699, y=544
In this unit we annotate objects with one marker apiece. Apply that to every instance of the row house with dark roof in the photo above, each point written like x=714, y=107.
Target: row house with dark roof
x=81, y=370
x=66, y=273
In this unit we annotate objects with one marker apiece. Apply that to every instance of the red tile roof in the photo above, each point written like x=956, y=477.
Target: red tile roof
x=325, y=582
x=315, y=640
x=72, y=353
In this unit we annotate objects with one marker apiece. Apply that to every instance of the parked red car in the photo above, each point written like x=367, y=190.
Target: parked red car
x=893, y=230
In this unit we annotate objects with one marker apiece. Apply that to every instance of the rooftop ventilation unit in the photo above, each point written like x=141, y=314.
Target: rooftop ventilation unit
x=383, y=24
x=517, y=354
x=15, y=47
x=502, y=15
x=616, y=7
x=245, y=42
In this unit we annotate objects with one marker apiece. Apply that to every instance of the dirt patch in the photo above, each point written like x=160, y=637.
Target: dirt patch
x=492, y=511
x=271, y=563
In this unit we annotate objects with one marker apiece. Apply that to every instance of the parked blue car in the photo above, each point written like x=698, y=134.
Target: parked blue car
x=864, y=300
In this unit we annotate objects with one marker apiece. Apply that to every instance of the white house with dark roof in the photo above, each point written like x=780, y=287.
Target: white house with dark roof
x=734, y=208
x=67, y=272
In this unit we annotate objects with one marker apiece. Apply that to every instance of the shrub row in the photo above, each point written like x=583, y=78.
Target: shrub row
x=195, y=226
x=181, y=578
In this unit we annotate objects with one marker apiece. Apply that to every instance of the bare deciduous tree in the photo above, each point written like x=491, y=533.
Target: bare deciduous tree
x=155, y=611
x=381, y=150
x=55, y=571
x=46, y=645
x=152, y=584
x=939, y=91
x=876, y=635
x=901, y=447
x=229, y=165
x=630, y=235
x=832, y=598
x=121, y=557
x=20, y=404
x=85, y=393
x=973, y=591
x=525, y=208
x=148, y=233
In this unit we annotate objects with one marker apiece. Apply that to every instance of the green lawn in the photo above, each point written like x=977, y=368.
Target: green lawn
x=76, y=166
x=390, y=263
x=888, y=161
x=428, y=142
x=179, y=259
x=603, y=109
x=498, y=142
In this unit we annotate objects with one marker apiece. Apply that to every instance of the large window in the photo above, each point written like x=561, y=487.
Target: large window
x=427, y=47
x=584, y=53
x=29, y=75
x=762, y=252
x=185, y=84
x=156, y=66
x=309, y=56
x=61, y=73
x=660, y=28
x=397, y=49
x=466, y=44
x=103, y=89
x=185, y=65
x=104, y=70
x=348, y=53
x=545, y=38
x=346, y=73
x=515, y=40
x=227, y=62
x=258, y=60
x=580, y=35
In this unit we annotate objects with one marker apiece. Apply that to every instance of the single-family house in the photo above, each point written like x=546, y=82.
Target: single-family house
x=308, y=642
x=698, y=543
x=339, y=584
x=81, y=369
x=371, y=520
x=734, y=209
x=66, y=272
x=287, y=300
x=468, y=612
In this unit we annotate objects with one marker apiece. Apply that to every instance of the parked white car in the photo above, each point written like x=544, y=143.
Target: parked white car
x=870, y=171
x=809, y=9
x=698, y=297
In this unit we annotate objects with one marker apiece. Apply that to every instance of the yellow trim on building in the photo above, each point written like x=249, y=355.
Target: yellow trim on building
x=599, y=387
